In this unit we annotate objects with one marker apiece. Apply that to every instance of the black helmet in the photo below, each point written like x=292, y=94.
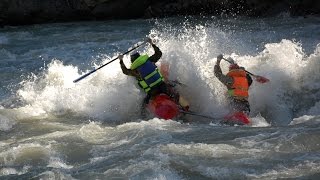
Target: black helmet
x=134, y=56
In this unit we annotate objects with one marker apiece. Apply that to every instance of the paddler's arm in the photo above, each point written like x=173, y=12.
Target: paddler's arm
x=125, y=70
x=248, y=77
x=226, y=80
x=157, y=52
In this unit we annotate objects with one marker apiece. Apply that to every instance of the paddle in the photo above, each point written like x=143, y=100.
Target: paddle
x=176, y=82
x=85, y=75
x=259, y=79
x=196, y=114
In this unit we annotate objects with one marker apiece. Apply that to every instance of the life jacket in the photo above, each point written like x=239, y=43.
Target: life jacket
x=240, y=87
x=149, y=73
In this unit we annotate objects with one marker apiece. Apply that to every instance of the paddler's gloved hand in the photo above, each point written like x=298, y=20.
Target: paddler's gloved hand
x=149, y=40
x=219, y=58
x=185, y=108
x=120, y=57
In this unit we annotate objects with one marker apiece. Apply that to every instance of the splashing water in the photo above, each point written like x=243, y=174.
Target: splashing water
x=53, y=128
x=190, y=52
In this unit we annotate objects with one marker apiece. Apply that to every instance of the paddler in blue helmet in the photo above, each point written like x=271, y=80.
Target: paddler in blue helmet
x=149, y=78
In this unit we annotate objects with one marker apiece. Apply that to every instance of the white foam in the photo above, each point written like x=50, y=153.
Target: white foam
x=306, y=168
x=22, y=153
x=58, y=163
x=259, y=121
x=8, y=171
x=6, y=123
x=93, y=133
x=303, y=119
x=99, y=95
x=110, y=95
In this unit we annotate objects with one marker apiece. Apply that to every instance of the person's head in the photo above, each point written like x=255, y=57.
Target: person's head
x=233, y=64
x=134, y=56
x=230, y=60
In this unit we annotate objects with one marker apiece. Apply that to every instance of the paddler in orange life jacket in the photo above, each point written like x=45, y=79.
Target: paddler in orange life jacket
x=238, y=81
x=149, y=78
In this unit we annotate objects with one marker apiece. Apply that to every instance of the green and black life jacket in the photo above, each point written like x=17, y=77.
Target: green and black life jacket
x=150, y=75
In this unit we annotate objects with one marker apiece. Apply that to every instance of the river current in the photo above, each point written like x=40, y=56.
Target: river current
x=52, y=128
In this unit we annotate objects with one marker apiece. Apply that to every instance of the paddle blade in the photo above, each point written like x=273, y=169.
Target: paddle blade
x=261, y=79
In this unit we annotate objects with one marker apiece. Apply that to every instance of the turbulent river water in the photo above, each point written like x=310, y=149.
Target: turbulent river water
x=52, y=128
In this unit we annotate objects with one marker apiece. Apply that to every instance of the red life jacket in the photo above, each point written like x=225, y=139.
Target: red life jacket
x=240, y=87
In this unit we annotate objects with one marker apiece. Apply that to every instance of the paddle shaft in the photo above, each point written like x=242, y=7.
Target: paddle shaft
x=174, y=82
x=196, y=114
x=250, y=73
x=245, y=70
x=84, y=76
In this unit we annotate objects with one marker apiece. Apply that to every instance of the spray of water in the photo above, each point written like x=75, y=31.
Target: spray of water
x=191, y=53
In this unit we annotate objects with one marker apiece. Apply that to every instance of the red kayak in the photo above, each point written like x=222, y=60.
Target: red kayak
x=162, y=106
x=238, y=118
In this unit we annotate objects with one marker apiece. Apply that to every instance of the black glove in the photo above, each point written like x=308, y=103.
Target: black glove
x=120, y=57
x=149, y=40
x=219, y=57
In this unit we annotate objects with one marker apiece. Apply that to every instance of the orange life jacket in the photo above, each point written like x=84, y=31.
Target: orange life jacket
x=240, y=87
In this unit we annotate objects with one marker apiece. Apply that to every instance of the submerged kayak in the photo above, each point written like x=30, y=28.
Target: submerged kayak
x=238, y=118
x=162, y=106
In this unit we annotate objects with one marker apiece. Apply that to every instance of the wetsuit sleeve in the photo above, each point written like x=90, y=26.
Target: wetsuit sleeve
x=226, y=80
x=127, y=71
x=157, y=54
x=249, y=79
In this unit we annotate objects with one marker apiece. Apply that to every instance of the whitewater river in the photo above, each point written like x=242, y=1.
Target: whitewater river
x=52, y=128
